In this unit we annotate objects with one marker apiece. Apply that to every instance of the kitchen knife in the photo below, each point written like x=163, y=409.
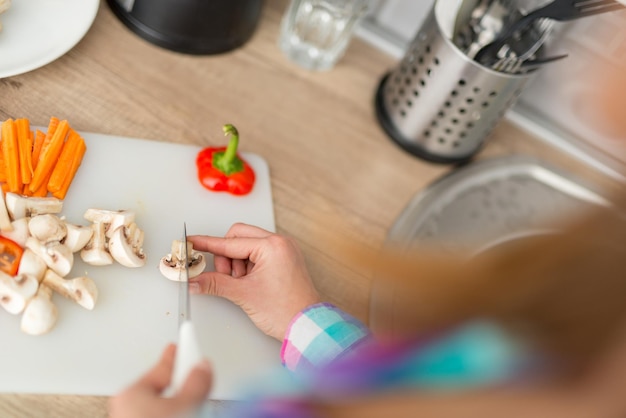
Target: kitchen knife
x=188, y=353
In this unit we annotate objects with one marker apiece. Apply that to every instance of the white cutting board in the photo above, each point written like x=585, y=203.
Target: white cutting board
x=99, y=352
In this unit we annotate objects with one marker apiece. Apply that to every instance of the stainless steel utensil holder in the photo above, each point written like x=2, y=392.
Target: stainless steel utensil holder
x=440, y=105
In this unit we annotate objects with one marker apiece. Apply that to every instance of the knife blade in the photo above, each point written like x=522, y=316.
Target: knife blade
x=188, y=353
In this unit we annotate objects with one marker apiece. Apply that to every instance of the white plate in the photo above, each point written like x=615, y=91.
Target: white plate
x=36, y=32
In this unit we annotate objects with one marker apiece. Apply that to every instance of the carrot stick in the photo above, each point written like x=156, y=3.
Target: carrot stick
x=52, y=127
x=25, y=149
x=3, y=170
x=78, y=151
x=49, y=156
x=62, y=167
x=43, y=190
x=37, y=143
x=11, y=156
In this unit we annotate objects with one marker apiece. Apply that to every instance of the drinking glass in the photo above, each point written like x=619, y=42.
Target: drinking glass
x=316, y=33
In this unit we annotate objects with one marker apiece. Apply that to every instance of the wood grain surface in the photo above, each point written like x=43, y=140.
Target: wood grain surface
x=329, y=159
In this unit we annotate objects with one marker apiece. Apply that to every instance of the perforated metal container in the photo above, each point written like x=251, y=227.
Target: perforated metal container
x=440, y=105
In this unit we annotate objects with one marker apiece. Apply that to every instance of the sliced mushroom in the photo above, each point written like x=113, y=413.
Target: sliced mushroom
x=22, y=206
x=56, y=255
x=125, y=245
x=77, y=236
x=15, y=292
x=112, y=219
x=95, y=252
x=5, y=220
x=19, y=234
x=32, y=264
x=172, y=265
x=40, y=314
x=81, y=290
x=47, y=228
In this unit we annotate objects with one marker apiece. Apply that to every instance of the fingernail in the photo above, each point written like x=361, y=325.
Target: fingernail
x=194, y=287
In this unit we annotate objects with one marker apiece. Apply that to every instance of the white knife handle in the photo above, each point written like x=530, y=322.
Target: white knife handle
x=188, y=355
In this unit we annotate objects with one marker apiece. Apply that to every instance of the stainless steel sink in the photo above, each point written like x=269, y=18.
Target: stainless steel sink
x=483, y=205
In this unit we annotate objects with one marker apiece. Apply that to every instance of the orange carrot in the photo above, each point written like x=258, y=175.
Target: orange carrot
x=61, y=169
x=49, y=155
x=3, y=170
x=25, y=149
x=11, y=156
x=76, y=152
x=41, y=191
x=52, y=127
x=37, y=143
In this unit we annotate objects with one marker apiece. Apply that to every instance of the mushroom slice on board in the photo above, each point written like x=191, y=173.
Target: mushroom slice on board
x=5, y=220
x=125, y=245
x=40, y=314
x=47, y=228
x=77, y=236
x=32, y=264
x=172, y=264
x=19, y=234
x=95, y=252
x=81, y=290
x=112, y=219
x=23, y=206
x=56, y=255
x=15, y=292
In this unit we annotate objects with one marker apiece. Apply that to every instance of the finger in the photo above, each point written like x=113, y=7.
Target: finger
x=158, y=378
x=216, y=284
x=222, y=264
x=241, y=230
x=239, y=268
x=197, y=385
x=234, y=248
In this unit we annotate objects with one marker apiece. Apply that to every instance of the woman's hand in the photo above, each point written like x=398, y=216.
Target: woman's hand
x=143, y=398
x=262, y=272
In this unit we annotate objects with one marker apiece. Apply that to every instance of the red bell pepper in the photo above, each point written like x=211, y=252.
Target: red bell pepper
x=221, y=169
x=10, y=256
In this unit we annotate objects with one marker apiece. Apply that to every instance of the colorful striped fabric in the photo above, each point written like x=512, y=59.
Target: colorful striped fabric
x=320, y=334
x=334, y=358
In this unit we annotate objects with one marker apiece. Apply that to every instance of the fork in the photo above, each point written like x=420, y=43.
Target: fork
x=560, y=10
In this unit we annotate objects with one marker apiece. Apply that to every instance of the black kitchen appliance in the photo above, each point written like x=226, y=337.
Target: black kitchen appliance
x=198, y=27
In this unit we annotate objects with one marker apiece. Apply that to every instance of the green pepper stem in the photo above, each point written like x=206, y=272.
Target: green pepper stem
x=231, y=149
x=227, y=161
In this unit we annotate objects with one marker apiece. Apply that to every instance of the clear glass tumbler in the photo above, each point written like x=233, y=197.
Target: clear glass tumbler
x=315, y=33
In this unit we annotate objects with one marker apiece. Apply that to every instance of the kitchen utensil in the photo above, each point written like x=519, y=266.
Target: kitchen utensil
x=481, y=206
x=102, y=351
x=438, y=104
x=532, y=65
x=487, y=22
x=188, y=353
x=191, y=26
x=463, y=16
x=560, y=10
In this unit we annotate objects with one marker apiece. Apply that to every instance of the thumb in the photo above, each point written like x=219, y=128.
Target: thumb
x=215, y=284
x=198, y=384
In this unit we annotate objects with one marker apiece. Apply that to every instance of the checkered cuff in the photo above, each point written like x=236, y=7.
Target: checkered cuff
x=320, y=334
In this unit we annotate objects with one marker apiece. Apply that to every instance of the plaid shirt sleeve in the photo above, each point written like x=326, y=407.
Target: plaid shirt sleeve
x=320, y=334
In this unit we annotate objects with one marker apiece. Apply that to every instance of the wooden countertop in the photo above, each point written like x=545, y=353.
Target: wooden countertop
x=328, y=157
